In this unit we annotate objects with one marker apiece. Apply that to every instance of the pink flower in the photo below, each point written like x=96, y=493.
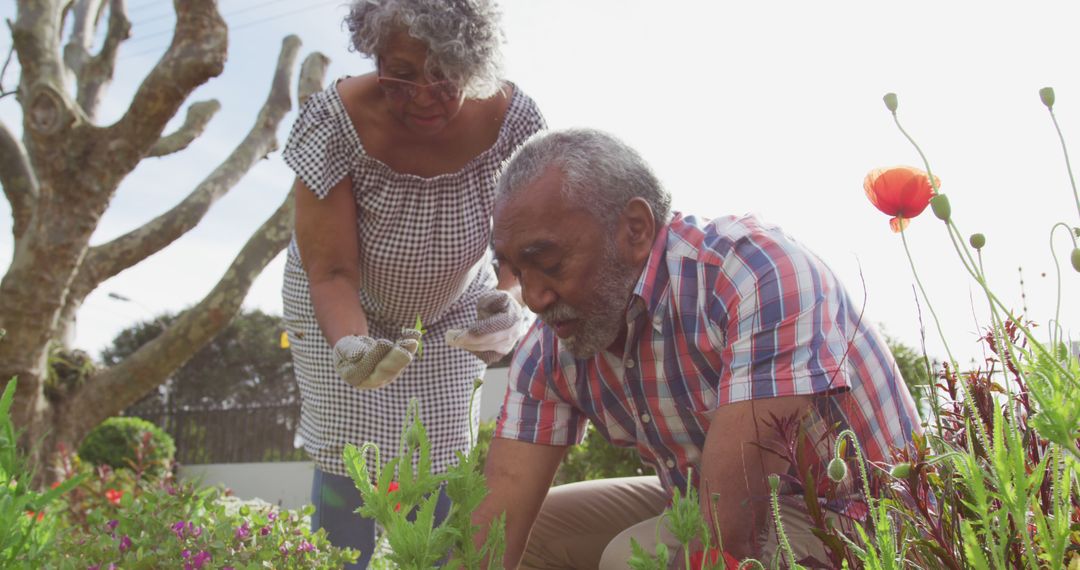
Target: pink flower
x=243, y=531
x=901, y=191
x=125, y=543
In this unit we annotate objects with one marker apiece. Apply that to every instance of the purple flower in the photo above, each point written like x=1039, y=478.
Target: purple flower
x=196, y=531
x=125, y=543
x=272, y=516
x=185, y=554
x=264, y=530
x=178, y=529
x=305, y=546
x=284, y=549
x=112, y=524
x=200, y=559
x=243, y=531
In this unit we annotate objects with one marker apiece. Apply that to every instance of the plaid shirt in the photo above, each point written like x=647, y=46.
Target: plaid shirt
x=725, y=311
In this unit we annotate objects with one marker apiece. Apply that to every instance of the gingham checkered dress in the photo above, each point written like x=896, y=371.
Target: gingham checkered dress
x=423, y=250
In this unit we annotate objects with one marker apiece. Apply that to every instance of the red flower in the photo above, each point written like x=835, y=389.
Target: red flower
x=40, y=515
x=902, y=192
x=697, y=559
x=393, y=487
x=114, y=496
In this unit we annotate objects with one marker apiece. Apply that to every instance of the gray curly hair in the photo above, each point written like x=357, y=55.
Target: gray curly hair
x=600, y=173
x=463, y=37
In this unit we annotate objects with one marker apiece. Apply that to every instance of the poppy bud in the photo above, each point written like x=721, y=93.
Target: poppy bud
x=890, y=102
x=1076, y=259
x=901, y=470
x=977, y=241
x=1047, y=96
x=477, y=383
x=774, y=482
x=940, y=205
x=837, y=469
x=415, y=436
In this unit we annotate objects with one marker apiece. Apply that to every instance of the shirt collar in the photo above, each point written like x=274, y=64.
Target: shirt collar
x=653, y=283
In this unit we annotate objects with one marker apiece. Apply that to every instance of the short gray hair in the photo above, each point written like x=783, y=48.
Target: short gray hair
x=600, y=173
x=463, y=37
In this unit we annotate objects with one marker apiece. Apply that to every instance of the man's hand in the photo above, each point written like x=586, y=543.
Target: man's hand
x=368, y=363
x=499, y=325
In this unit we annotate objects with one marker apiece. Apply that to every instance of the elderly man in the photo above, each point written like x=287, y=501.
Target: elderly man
x=677, y=335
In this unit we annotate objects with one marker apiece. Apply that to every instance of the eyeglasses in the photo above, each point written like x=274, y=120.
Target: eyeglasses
x=403, y=91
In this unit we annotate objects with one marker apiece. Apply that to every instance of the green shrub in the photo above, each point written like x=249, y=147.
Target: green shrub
x=597, y=458
x=118, y=441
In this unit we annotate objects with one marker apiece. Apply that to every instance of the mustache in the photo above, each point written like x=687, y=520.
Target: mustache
x=558, y=313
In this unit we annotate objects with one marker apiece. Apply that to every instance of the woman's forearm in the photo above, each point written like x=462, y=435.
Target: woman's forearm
x=337, y=308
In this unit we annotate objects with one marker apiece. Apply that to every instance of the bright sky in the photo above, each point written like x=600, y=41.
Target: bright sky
x=765, y=107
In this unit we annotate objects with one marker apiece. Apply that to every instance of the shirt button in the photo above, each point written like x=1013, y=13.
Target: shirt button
x=670, y=463
x=645, y=418
x=629, y=363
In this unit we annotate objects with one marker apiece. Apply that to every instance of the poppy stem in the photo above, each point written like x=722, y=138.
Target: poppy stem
x=937, y=324
x=926, y=163
x=1068, y=165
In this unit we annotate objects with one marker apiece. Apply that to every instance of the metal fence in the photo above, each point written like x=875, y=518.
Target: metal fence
x=231, y=435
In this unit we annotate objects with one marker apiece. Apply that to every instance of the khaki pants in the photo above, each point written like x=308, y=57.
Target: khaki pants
x=589, y=525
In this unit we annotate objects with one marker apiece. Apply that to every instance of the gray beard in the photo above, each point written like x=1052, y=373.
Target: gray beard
x=601, y=322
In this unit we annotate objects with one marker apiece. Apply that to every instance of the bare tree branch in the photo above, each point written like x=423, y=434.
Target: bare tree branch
x=110, y=258
x=35, y=34
x=20, y=183
x=198, y=116
x=77, y=50
x=312, y=76
x=94, y=73
x=149, y=366
x=196, y=54
x=3, y=70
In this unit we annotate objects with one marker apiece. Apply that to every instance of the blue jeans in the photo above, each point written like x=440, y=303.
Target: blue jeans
x=336, y=499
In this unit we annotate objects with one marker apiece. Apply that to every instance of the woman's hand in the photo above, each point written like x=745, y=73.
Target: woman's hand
x=499, y=325
x=369, y=363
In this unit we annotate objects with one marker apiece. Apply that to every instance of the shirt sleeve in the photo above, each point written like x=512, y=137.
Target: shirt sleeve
x=534, y=410
x=783, y=319
x=318, y=148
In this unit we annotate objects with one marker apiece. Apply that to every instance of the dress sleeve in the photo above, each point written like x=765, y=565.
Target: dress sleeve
x=523, y=121
x=319, y=149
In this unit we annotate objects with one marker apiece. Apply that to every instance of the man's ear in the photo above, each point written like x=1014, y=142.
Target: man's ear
x=637, y=230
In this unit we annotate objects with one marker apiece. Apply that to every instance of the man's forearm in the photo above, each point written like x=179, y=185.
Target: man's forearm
x=518, y=475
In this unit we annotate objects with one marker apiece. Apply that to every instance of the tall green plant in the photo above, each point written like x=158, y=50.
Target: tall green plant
x=27, y=527
x=404, y=495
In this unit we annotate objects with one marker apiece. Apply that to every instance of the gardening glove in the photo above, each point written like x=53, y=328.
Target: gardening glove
x=499, y=324
x=368, y=363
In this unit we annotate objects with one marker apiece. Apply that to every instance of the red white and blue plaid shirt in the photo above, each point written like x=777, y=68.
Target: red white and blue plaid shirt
x=725, y=311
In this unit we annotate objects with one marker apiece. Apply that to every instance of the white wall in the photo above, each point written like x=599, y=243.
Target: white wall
x=288, y=484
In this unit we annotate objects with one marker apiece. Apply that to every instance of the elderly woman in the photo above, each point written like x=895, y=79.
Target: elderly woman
x=394, y=194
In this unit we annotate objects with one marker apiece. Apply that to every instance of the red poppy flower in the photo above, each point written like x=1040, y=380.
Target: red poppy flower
x=901, y=191
x=114, y=496
x=390, y=489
